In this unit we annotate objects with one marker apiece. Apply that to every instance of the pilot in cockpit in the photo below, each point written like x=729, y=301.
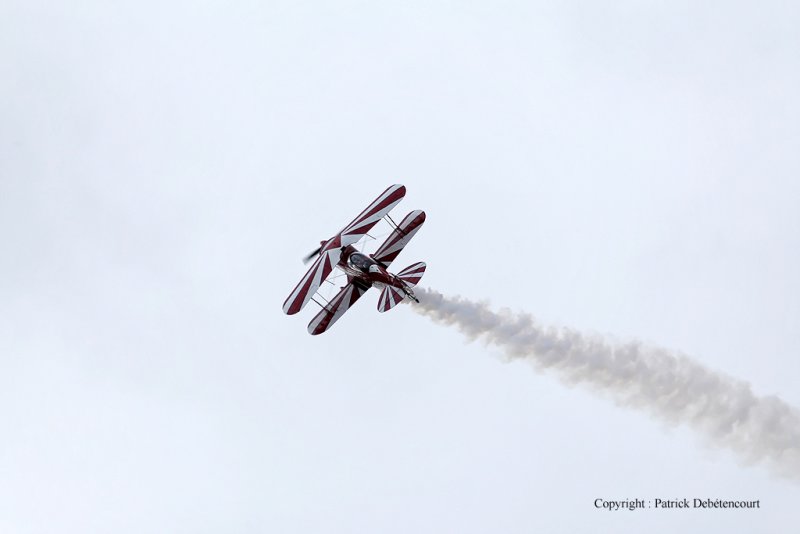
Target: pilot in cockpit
x=360, y=262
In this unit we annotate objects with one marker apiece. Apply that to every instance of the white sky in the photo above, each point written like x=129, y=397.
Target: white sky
x=630, y=171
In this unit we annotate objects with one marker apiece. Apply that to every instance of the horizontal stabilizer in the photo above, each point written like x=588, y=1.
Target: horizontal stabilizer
x=390, y=297
x=412, y=274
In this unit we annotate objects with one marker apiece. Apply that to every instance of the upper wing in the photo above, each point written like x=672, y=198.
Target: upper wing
x=331, y=252
x=345, y=298
x=400, y=237
x=317, y=274
x=370, y=216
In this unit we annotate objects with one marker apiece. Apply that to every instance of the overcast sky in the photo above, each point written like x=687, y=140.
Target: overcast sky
x=628, y=170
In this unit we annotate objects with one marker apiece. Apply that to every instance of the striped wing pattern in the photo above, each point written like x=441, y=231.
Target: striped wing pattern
x=345, y=298
x=400, y=237
x=372, y=214
x=412, y=274
x=390, y=297
x=310, y=283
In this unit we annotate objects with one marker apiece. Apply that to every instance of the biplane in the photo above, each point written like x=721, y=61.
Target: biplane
x=363, y=271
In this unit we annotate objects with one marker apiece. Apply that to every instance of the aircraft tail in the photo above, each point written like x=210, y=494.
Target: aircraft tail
x=392, y=296
x=389, y=298
x=412, y=274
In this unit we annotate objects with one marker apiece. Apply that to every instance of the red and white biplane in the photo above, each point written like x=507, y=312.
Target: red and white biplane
x=363, y=270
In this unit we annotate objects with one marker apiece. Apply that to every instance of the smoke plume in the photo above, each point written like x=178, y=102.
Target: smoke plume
x=666, y=385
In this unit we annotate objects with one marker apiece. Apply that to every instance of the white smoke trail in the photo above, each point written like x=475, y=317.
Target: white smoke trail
x=669, y=386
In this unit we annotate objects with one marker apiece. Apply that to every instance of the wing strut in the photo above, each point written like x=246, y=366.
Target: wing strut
x=320, y=305
x=392, y=223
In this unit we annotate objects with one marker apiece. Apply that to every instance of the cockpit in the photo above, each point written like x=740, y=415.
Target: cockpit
x=359, y=261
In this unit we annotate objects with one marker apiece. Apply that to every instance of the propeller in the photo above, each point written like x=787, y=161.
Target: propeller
x=311, y=255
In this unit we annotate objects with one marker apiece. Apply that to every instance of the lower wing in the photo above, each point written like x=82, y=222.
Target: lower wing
x=310, y=283
x=345, y=298
x=400, y=237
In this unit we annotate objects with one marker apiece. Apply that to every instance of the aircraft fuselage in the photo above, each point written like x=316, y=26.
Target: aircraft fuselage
x=368, y=272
